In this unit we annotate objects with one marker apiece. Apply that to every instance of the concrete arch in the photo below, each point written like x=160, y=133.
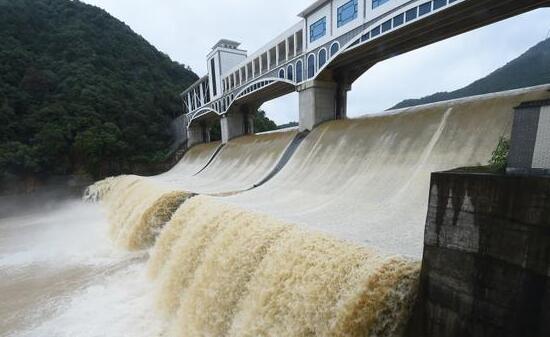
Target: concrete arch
x=204, y=113
x=255, y=86
x=353, y=43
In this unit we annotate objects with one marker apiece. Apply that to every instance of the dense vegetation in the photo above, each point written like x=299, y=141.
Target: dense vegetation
x=80, y=91
x=530, y=69
x=262, y=123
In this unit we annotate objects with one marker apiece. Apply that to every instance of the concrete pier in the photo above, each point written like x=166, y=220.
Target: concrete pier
x=237, y=122
x=198, y=134
x=321, y=101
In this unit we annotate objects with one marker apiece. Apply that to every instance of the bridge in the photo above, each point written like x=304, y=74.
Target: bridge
x=320, y=57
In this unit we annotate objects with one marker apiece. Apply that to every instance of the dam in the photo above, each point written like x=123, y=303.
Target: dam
x=338, y=227
x=335, y=236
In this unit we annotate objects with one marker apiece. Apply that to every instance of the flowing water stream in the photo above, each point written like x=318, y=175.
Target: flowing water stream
x=329, y=247
x=60, y=275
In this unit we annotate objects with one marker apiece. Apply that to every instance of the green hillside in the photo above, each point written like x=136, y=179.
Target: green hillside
x=530, y=69
x=80, y=91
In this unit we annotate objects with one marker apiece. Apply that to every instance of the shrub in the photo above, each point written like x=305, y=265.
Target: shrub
x=499, y=158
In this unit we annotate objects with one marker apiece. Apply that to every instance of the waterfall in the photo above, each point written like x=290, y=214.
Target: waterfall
x=136, y=208
x=221, y=270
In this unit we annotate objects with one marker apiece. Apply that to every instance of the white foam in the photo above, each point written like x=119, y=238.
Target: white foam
x=73, y=234
x=119, y=305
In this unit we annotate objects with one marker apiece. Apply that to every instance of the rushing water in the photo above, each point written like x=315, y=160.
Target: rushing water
x=306, y=254
x=60, y=275
x=215, y=270
x=219, y=270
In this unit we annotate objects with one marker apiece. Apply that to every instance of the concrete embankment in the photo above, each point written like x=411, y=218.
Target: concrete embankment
x=485, y=270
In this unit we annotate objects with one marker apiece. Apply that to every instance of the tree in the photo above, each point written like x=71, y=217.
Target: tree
x=18, y=159
x=262, y=123
x=99, y=144
x=79, y=89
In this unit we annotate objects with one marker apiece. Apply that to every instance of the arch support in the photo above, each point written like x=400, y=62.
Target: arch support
x=198, y=134
x=321, y=101
x=238, y=121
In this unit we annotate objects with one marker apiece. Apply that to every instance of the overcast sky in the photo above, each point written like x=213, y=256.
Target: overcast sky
x=186, y=30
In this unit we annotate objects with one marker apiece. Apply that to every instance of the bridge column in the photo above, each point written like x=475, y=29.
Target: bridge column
x=321, y=101
x=239, y=121
x=198, y=134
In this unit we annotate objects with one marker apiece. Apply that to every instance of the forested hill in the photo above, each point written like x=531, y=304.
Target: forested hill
x=530, y=69
x=80, y=91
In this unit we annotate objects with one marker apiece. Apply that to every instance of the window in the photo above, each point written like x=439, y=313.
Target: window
x=322, y=57
x=386, y=26
x=425, y=8
x=365, y=37
x=205, y=90
x=398, y=20
x=311, y=66
x=411, y=14
x=375, y=31
x=213, y=71
x=282, y=73
x=290, y=72
x=347, y=12
x=318, y=30
x=376, y=3
x=299, y=72
x=334, y=49
x=439, y=3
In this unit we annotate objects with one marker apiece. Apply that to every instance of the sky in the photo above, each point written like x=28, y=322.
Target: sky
x=187, y=29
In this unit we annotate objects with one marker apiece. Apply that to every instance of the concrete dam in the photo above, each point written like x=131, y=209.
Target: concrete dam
x=269, y=236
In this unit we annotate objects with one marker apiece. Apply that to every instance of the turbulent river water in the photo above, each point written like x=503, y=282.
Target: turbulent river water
x=214, y=271
x=330, y=246
x=60, y=275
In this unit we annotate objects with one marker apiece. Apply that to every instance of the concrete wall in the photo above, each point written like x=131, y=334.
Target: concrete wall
x=178, y=128
x=196, y=135
x=324, y=11
x=486, y=265
x=232, y=126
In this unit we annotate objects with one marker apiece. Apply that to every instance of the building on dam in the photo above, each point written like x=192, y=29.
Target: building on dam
x=333, y=43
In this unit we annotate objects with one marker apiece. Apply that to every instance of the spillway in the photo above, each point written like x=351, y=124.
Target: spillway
x=238, y=166
x=195, y=159
x=137, y=207
x=367, y=179
x=329, y=246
